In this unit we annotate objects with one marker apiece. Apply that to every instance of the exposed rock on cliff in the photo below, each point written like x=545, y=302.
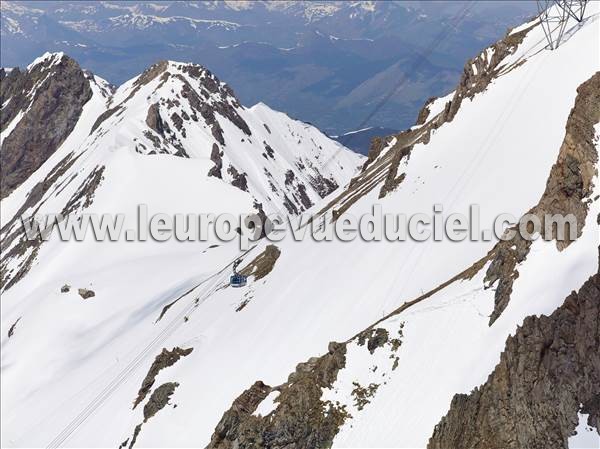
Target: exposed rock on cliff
x=568, y=189
x=263, y=264
x=163, y=360
x=548, y=369
x=48, y=98
x=301, y=418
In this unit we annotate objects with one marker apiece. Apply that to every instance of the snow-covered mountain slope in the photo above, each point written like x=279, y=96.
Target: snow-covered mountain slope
x=171, y=109
x=448, y=308
x=165, y=355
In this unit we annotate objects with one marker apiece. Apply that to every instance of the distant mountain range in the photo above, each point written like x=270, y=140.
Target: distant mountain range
x=329, y=63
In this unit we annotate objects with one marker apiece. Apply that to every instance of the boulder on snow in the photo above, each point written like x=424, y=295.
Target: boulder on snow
x=85, y=293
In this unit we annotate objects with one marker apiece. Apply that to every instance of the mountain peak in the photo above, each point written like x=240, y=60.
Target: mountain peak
x=48, y=59
x=49, y=94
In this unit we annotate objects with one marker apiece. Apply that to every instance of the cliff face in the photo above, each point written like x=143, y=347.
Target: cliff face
x=302, y=418
x=549, y=371
x=568, y=190
x=46, y=100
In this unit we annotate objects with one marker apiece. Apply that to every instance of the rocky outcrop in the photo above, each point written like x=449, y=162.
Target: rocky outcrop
x=239, y=180
x=374, y=338
x=503, y=271
x=393, y=179
x=159, y=399
x=235, y=420
x=479, y=71
x=262, y=264
x=104, y=116
x=424, y=112
x=163, y=360
x=568, y=189
x=477, y=75
x=86, y=293
x=269, y=152
x=375, y=149
x=323, y=186
x=11, y=330
x=50, y=96
x=298, y=190
x=301, y=419
x=214, y=97
x=216, y=155
x=154, y=120
x=548, y=372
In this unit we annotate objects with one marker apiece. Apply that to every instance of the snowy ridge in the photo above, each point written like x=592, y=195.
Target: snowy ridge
x=264, y=147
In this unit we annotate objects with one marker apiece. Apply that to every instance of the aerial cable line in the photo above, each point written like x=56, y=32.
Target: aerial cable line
x=475, y=162
x=124, y=374
x=421, y=58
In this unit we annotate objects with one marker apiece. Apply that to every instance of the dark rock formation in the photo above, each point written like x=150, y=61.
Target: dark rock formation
x=235, y=419
x=51, y=114
x=362, y=395
x=163, y=360
x=424, y=112
x=393, y=180
x=569, y=186
x=85, y=293
x=154, y=120
x=473, y=82
x=216, y=155
x=375, y=338
x=240, y=180
x=178, y=123
x=301, y=420
x=159, y=399
x=12, y=328
x=530, y=401
x=375, y=149
x=323, y=186
x=262, y=264
x=503, y=271
x=104, y=116
x=269, y=152
x=298, y=189
x=215, y=97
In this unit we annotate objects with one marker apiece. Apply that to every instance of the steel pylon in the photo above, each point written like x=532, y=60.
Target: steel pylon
x=554, y=15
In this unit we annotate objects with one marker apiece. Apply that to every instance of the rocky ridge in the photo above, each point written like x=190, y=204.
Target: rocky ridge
x=46, y=100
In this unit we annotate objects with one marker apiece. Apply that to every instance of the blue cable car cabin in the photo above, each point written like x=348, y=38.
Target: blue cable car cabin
x=237, y=280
